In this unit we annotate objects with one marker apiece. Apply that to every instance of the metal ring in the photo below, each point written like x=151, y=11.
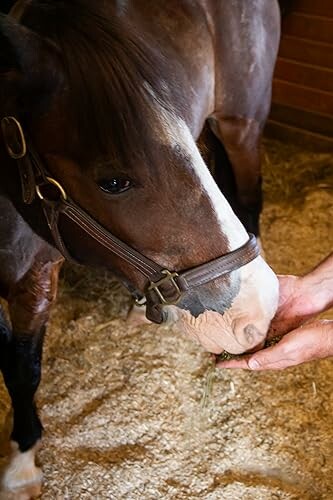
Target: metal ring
x=56, y=184
x=140, y=302
x=5, y=122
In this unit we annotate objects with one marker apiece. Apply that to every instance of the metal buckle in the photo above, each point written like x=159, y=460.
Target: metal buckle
x=16, y=140
x=57, y=184
x=169, y=277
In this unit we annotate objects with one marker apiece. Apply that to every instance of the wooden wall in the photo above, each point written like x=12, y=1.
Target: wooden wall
x=302, y=108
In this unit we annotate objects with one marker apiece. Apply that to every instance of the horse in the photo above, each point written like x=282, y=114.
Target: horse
x=101, y=107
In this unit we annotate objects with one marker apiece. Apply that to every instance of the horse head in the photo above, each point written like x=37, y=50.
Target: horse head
x=98, y=120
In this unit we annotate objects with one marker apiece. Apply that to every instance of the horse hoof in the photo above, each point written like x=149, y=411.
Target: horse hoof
x=24, y=493
x=137, y=316
x=21, y=479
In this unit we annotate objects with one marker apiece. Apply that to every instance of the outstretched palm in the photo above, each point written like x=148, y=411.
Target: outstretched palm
x=296, y=305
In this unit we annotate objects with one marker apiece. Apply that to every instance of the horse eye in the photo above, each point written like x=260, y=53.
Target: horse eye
x=115, y=185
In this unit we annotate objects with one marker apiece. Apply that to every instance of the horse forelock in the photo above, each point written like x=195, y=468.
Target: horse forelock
x=113, y=91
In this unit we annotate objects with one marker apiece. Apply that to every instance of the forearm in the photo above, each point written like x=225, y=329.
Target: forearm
x=320, y=283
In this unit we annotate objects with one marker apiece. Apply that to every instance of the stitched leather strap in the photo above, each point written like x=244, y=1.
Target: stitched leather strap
x=232, y=261
x=185, y=280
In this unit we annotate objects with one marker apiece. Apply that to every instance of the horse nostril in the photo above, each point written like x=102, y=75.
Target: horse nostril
x=252, y=335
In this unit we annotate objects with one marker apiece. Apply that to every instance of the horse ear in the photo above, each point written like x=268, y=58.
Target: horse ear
x=30, y=69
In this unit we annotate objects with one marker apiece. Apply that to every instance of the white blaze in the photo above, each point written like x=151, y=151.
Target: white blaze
x=245, y=324
x=230, y=225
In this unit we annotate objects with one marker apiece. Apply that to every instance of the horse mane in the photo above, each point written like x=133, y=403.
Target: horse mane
x=112, y=76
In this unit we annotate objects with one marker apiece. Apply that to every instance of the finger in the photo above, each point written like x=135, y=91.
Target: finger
x=234, y=363
x=272, y=358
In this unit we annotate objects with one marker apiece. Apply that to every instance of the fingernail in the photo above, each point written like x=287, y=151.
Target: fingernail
x=253, y=364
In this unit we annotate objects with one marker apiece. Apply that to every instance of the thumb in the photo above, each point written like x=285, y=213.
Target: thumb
x=272, y=358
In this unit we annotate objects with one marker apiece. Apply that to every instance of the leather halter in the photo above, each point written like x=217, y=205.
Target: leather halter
x=163, y=287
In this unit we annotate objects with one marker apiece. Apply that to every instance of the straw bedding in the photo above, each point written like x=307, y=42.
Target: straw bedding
x=121, y=405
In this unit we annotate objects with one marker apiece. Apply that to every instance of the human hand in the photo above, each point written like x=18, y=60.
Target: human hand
x=300, y=299
x=306, y=343
x=298, y=303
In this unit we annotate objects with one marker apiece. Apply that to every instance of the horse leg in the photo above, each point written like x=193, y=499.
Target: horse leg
x=29, y=303
x=239, y=175
x=244, y=73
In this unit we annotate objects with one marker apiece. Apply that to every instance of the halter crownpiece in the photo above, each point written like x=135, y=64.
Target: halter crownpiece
x=163, y=287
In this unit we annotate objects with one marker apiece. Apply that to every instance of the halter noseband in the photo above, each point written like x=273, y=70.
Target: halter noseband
x=163, y=287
